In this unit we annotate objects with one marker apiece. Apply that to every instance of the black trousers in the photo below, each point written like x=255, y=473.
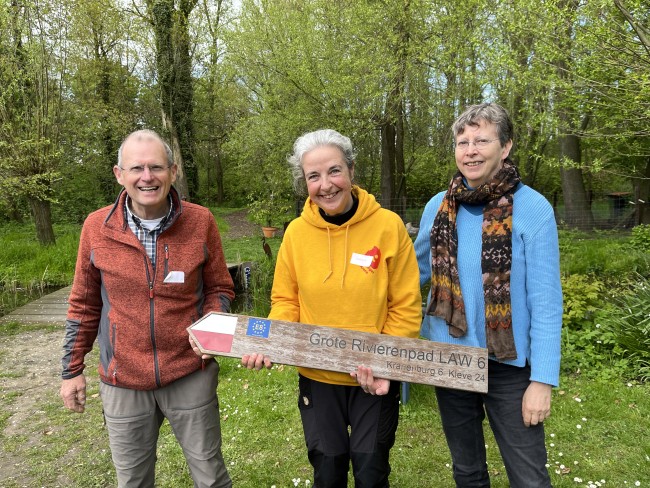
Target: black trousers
x=343, y=424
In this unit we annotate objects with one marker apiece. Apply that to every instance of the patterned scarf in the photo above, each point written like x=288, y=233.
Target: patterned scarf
x=496, y=259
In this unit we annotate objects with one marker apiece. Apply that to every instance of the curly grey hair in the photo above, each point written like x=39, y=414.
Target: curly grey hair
x=312, y=140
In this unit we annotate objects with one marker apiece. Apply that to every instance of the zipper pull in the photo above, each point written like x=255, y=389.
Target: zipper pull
x=150, y=289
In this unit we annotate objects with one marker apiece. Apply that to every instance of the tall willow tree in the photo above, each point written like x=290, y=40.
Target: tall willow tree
x=170, y=20
x=32, y=76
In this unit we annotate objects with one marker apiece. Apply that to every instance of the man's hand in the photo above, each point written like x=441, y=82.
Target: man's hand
x=256, y=361
x=536, y=405
x=197, y=351
x=370, y=384
x=73, y=392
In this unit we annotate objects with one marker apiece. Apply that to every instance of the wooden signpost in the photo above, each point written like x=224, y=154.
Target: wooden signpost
x=395, y=358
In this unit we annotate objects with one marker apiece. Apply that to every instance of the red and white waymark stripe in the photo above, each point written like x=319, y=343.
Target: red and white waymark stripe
x=215, y=332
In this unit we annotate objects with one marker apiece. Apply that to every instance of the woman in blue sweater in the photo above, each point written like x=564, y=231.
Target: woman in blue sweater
x=488, y=245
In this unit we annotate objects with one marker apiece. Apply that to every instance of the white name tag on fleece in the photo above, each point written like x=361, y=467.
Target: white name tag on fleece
x=175, y=277
x=361, y=259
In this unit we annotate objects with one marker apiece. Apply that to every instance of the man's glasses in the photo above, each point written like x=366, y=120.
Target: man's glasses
x=479, y=143
x=155, y=169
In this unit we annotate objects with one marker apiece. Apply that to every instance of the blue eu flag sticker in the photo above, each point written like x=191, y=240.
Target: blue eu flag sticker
x=258, y=327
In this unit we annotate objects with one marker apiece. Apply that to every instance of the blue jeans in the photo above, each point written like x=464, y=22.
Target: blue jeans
x=522, y=448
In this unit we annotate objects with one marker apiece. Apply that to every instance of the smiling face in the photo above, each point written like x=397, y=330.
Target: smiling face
x=329, y=180
x=480, y=164
x=149, y=187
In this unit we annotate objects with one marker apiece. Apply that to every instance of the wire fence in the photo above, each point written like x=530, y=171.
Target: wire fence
x=603, y=214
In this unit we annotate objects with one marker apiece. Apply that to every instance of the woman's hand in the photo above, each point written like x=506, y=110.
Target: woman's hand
x=370, y=384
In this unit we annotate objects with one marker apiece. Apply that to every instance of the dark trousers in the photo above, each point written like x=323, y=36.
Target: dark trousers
x=327, y=411
x=522, y=448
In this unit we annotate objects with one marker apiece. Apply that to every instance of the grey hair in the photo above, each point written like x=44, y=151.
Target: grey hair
x=312, y=140
x=492, y=113
x=144, y=135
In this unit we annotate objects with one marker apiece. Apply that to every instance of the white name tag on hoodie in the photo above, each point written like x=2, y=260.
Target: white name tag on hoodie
x=175, y=277
x=361, y=259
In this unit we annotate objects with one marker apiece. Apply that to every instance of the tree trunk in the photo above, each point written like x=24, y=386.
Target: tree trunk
x=43, y=221
x=181, y=180
x=577, y=211
x=219, y=175
x=387, y=186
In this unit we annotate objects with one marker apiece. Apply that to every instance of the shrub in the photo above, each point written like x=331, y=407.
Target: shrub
x=629, y=323
x=640, y=240
x=604, y=254
x=588, y=348
x=582, y=298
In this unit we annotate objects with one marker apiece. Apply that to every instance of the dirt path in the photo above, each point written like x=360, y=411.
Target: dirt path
x=30, y=363
x=240, y=226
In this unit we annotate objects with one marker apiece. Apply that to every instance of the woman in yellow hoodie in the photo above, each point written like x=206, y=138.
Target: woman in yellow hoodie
x=346, y=263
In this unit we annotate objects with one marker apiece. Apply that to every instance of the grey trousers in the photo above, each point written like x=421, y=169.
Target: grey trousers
x=133, y=419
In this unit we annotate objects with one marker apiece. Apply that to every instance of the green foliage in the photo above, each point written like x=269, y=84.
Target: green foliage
x=598, y=272
x=272, y=211
x=640, y=240
x=582, y=298
x=606, y=254
x=24, y=263
x=628, y=323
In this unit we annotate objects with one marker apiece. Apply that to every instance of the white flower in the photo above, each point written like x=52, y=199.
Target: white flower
x=577, y=480
x=577, y=400
x=578, y=426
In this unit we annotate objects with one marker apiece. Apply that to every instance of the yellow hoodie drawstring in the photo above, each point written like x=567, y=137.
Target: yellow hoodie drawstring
x=345, y=256
x=329, y=252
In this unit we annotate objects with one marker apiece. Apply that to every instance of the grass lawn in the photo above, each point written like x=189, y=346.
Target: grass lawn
x=597, y=431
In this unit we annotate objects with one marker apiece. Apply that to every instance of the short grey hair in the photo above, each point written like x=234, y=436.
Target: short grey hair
x=144, y=135
x=312, y=140
x=492, y=113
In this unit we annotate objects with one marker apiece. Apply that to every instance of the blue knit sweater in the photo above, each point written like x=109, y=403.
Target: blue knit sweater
x=536, y=293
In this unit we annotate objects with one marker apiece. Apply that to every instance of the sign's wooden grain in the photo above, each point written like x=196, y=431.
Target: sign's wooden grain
x=396, y=358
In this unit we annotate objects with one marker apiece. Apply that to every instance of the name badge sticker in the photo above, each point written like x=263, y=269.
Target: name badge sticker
x=361, y=259
x=175, y=277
